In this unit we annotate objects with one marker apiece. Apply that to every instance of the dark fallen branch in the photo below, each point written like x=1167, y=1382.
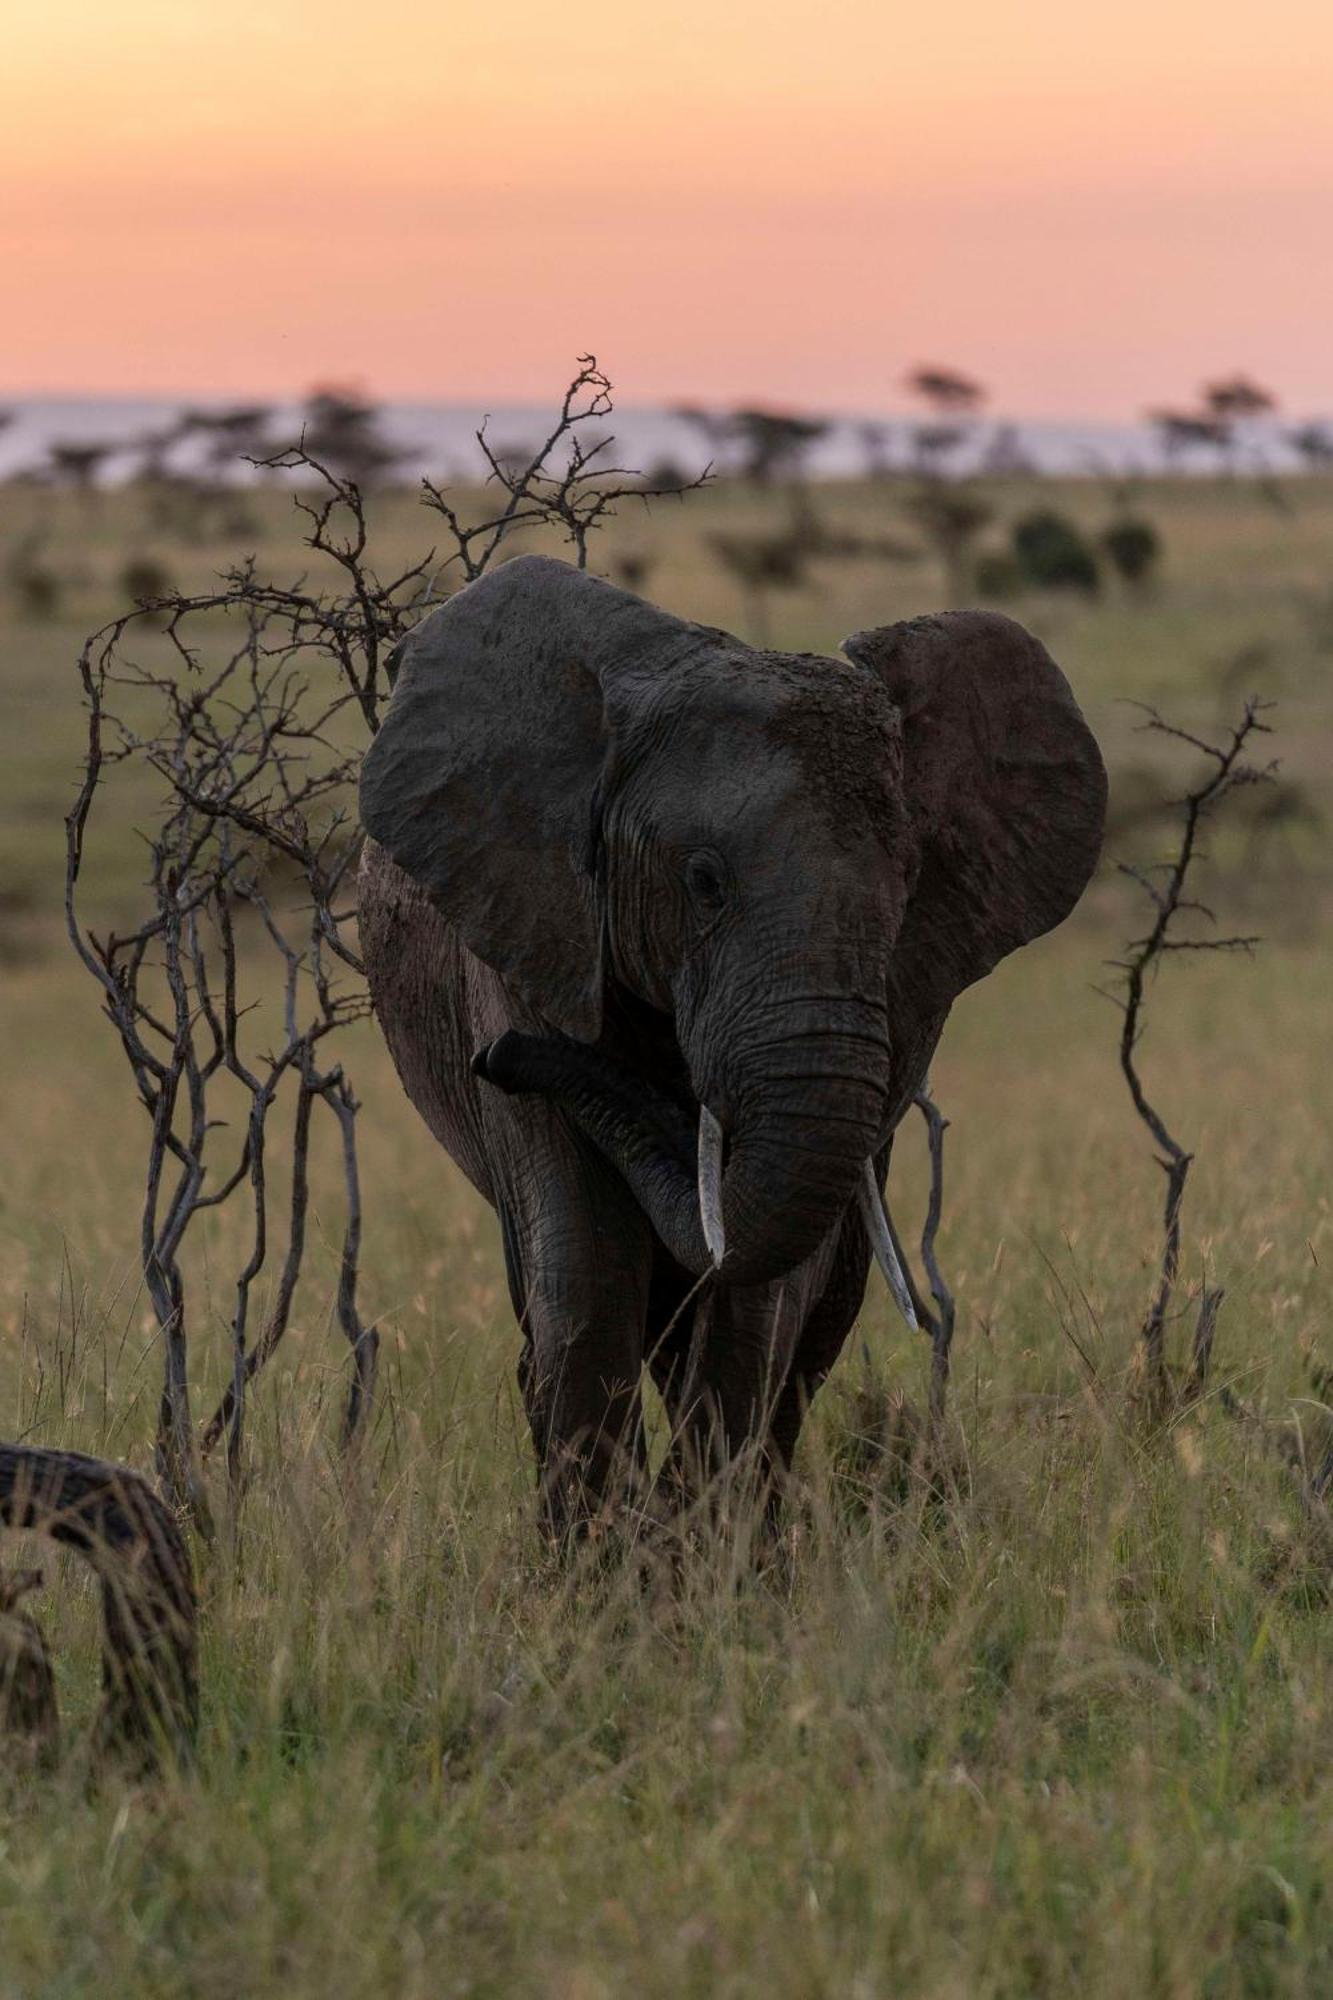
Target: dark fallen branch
x=113, y=1519
x=29, y=1707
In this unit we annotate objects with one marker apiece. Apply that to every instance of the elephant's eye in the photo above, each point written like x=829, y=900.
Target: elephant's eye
x=706, y=882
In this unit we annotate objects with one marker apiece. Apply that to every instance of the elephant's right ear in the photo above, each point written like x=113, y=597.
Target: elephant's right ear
x=1004, y=784
x=482, y=781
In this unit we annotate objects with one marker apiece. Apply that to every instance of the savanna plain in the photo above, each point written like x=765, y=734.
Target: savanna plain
x=1057, y=1718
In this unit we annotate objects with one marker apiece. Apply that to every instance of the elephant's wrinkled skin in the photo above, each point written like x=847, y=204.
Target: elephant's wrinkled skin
x=635, y=867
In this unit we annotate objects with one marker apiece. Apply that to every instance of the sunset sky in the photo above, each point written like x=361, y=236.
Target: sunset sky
x=1093, y=208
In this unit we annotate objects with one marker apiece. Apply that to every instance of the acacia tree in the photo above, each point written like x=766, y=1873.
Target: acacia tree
x=954, y=401
x=249, y=708
x=1226, y=420
x=1238, y=404
x=949, y=512
x=1182, y=431
x=78, y=465
x=774, y=444
x=341, y=430
x=766, y=447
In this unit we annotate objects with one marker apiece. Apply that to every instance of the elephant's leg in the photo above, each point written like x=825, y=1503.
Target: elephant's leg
x=771, y=1348
x=674, y=1358
x=669, y=1335
x=722, y=1406
x=578, y=1257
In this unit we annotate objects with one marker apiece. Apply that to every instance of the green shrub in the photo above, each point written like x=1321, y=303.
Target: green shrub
x=1053, y=553
x=1133, y=548
x=143, y=577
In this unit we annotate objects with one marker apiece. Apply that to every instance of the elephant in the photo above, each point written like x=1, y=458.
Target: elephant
x=662, y=930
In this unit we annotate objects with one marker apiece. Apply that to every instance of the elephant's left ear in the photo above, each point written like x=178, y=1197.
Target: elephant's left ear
x=1004, y=784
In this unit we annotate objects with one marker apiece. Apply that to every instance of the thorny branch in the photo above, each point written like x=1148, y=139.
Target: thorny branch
x=250, y=783
x=1226, y=770
x=249, y=708
x=576, y=496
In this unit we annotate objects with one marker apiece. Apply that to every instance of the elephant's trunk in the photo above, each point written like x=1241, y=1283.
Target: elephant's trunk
x=805, y=1113
x=804, y=1121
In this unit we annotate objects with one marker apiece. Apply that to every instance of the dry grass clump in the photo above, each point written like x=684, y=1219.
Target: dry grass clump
x=1059, y=1718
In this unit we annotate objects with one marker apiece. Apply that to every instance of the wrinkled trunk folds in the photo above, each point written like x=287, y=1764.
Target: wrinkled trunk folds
x=802, y=1131
x=790, y=1176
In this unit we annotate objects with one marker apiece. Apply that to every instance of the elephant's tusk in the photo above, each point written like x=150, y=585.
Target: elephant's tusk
x=881, y=1242
x=710, y=1185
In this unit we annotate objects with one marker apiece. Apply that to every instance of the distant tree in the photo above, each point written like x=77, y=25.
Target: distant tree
x=1053, y=552
x=143, y=577
x=761, y=563
x=155, y=448
x=934, y=444
x=230, y=436
x=827, y=541
x=667, y=475
x=78, y=465
x=874, y=439
x=947, y=390
x=1179, y=431
x=192, y=499
x=633, y=569
x=1133, y=549
x=950, y=517
x=761, y=445
x=953, y=400
x=1236, y=397
x=1237, y=404
x=774, y=444
x=342, y=431
x=713, y=427
x=1314, y=444
x=34, y=583
x=512, y=456
x=1005, y=455
x=996, y=576
x=7, y=418
x=1228, y=409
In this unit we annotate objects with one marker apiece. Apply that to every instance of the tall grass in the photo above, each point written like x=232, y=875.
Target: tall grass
x=1062, y=1723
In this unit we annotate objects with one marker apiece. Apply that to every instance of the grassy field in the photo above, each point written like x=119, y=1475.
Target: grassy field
x=1069, y=1729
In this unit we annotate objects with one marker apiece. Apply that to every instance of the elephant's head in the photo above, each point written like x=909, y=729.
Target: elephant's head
x=782, y=868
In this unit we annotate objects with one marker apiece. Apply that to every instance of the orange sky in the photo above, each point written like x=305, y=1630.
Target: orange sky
x=1091, y=206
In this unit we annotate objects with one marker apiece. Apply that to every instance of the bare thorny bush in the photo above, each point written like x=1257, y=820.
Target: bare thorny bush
x=1180, y=923
x=251, y=707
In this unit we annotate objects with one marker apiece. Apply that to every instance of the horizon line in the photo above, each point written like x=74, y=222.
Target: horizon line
x=10, y=397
